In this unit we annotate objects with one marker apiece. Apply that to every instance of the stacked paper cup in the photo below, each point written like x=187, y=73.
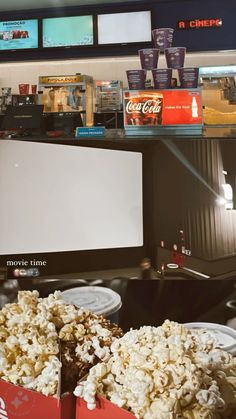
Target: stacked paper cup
x=175, y=57
x=162, y=78
x=163, y=39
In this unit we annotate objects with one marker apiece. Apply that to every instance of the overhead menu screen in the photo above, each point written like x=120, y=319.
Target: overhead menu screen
x=122, y=28
x=67, y=31
x=19, y=34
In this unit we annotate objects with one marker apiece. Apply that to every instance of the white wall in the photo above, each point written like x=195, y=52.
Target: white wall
x=11, y=74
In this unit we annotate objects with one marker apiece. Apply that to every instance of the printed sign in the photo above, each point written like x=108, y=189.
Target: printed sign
x=59, y=79
x=162, y=107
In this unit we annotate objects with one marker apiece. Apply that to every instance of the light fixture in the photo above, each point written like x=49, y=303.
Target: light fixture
x=172, y=265
x=221, y=201
x=227, y=199
x=228, y=191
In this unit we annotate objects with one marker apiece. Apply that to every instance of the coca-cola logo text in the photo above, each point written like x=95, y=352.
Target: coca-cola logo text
x=150, y=106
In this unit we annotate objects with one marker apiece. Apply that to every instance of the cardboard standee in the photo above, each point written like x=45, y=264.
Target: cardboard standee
x=104, y=410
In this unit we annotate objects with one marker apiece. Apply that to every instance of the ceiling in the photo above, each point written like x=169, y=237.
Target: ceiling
x=29, y=4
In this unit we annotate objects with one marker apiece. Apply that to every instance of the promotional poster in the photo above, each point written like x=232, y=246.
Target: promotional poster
x=162, y=107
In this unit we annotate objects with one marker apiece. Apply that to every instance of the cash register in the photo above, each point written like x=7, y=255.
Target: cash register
x=22, y=120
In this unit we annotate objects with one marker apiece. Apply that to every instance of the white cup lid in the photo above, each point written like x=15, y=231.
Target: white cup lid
x=100, y=300
x=224, y=335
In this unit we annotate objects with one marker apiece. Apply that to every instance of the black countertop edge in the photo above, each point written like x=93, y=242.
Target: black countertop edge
x=119, y=137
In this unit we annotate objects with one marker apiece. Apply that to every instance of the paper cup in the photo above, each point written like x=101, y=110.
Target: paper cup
x=149, y=58
x=162, y=78
x=34, y=89
x=175, y=57
x=24, y=89
x=100, y=300
x=163, y=38
x=225, y=336
x=188, y=77
x=136, y=79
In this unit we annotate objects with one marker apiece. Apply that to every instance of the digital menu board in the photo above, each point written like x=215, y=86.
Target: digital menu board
x=19, y=34
x=67, y=31
x=122, y=28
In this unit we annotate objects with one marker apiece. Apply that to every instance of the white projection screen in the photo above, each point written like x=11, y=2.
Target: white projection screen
x=122, y=28
x=62, y=198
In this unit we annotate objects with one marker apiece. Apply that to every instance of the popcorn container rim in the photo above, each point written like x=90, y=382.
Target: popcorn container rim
x=215, y=328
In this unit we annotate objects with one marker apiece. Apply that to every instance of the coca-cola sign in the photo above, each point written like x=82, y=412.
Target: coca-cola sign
x=149, y=106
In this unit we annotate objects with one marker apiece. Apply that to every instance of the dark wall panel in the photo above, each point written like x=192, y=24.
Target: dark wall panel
x=165, y=14
x=188, y=182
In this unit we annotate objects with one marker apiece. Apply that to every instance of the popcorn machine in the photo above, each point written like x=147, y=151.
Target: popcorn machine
x=67, y=96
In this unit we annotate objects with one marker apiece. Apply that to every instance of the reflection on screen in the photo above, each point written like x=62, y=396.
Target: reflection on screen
x=19, y=34
x=67, y=31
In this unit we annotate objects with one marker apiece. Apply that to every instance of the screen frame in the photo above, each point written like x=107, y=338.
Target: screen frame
x=63, y=47
x=71, y=52
x=141, y=44
x=65, y=262
x=12, y=50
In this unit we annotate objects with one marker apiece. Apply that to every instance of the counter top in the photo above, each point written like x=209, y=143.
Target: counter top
x=118, y=136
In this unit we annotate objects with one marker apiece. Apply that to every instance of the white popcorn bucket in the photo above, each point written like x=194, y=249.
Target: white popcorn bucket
x=225, y=336
x=100, y=300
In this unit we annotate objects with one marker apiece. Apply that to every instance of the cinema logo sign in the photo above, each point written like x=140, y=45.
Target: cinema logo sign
x=200, y=23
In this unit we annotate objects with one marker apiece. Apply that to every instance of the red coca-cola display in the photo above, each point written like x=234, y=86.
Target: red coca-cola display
x=150, y=112
x=143, y=108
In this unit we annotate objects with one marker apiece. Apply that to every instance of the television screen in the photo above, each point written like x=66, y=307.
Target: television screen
x=122, y=28
x=67, y=31
x=19, y=34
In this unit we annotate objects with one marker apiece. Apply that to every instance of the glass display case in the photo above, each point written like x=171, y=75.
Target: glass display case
x=68, y=95
x=218, y=94
x=108, y=95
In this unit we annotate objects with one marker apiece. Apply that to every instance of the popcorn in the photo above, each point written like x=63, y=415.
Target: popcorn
x=166, y=372
x=42, y=339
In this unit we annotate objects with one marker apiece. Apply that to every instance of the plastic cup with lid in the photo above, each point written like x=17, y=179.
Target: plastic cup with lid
x=225, y=336
x=100, y=300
